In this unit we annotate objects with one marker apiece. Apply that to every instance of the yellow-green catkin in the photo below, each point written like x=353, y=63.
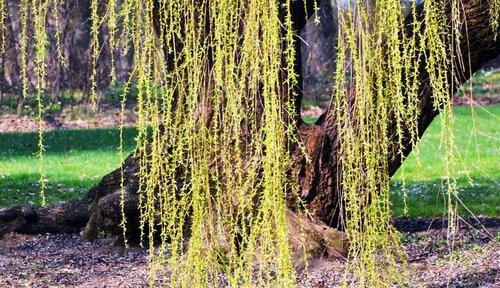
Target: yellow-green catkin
x=94, y=48
x=495, y=14
x=217, y=167
x=23, y=12
x=3, y=28
x=364, y=111
x=40, y=37
x=121, y=155
x=59, y=48
x=112, y=21
x=215, y=125
x=206, y=152
x=439, y=52
x=377, y=83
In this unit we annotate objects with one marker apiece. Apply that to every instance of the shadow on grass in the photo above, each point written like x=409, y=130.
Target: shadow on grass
x=62, y=141
x=428, y=198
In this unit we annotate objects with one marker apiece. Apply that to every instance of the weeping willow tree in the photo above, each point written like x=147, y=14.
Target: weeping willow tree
x=227, y=184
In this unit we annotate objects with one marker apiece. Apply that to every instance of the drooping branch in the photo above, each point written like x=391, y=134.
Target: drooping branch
x=319, y=179
x=100, y=206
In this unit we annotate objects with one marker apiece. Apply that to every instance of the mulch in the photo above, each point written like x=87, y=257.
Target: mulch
x=67, y=261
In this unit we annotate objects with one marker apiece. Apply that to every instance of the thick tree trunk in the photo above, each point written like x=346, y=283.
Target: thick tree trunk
x=99, y=210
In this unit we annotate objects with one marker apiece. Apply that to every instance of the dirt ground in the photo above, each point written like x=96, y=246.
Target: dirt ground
x=108, y=117
x=67, y=261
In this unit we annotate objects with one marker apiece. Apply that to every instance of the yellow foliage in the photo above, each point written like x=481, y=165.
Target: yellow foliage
x=216, y=83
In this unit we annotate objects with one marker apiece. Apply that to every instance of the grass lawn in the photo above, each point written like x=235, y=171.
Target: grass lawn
x=478, y=170
x=77, y=159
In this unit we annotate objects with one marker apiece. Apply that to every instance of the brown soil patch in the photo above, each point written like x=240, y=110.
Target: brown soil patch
x=67, y=261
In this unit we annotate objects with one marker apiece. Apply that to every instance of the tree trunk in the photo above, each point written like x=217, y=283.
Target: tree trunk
x=100, y=210
x=318, y=180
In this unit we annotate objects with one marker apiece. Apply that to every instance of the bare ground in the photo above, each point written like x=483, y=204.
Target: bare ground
x=474, y=261
x=107, y=117
x=110, y=117
x=67, y=261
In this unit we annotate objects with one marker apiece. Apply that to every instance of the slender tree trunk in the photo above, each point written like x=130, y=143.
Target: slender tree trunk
x=100, y=209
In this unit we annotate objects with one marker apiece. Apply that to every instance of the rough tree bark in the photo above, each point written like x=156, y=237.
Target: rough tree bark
x=99, y=210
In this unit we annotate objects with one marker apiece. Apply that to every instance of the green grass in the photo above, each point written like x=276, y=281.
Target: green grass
x=310, y=119
x=477, y=138
x=77, y=159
